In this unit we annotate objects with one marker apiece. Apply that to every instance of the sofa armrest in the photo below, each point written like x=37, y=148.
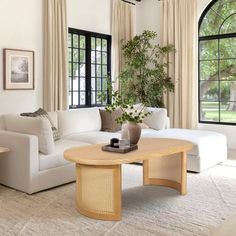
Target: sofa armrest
x=18, y=166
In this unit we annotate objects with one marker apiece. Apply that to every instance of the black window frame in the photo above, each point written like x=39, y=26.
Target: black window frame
x=208, y=38
x=88, y=77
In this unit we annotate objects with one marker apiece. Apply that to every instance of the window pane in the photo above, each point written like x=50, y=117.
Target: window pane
x=97, y=98
x=82, y=98
x=75, y=98
x=75, y=41
x=69, y=40
x=210, y=24
x=82, y=83
x=228, y=91
x=228, y=112
x=70, y=69
x=75, y=83
x=104, y=58
x=104, y=84
x=228, y=48
x=104, y=71
x=75, y=55
x=209, y=90
x=104, y=45
x=227, y=69
x=93, y=57
x=93, y=67
x=82, y=56
x=217, y=14
x=93, y=98
x=69, y=54
x=75, y=69
x=209, y=111
x=98, y=59
x=93, y=43
x=98, y=72
x=229, y=25
x=99, y=84
x=209, y=49
x=98, y=44
x=82, y=70
x=93, y=83
x=82, y=41
x=209, y=70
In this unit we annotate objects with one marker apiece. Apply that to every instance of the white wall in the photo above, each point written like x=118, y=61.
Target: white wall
x=148, y=16
x=202, y=4
x=91, y=15
x=21, y=28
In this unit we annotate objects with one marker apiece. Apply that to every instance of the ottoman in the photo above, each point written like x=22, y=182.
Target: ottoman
x=210, y=148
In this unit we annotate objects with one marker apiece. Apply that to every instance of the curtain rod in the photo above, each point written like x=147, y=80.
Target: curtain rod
x=128, y=2
x=136, y=0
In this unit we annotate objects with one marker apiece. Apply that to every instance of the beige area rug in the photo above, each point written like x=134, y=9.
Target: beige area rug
x=147, y=210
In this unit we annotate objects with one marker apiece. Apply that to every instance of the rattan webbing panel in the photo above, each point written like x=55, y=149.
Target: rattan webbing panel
x=169, y=171
x=168, y=167
x=99, y=191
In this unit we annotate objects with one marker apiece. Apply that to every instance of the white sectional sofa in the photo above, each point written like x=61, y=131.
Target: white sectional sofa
x=29, y=170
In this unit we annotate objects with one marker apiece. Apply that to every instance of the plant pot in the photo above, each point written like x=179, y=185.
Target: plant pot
x=134, y=132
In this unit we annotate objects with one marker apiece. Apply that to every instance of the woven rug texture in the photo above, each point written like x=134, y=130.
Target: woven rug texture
x=146, y=210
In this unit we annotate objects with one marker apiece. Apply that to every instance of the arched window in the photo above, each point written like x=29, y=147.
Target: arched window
x=217, y=63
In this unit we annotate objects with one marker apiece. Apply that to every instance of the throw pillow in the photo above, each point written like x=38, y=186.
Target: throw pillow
x=37, y=126
x=157, y=119
x=43, y=114
x=109, y=123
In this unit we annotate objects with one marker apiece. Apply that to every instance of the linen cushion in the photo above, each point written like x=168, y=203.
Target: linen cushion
x=56, y=158
x=157, y=119
x=205, y=142
x=94, y=137
x=109, y=123
x=42, y=113
x=37, y=126
x=80, y=120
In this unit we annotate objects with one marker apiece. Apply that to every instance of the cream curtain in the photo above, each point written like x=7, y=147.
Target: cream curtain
x=179, y=21
x=55, y=95
x=123, y=29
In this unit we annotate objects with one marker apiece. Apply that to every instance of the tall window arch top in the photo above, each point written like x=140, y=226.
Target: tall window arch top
x=217, y=63
x=219, y=18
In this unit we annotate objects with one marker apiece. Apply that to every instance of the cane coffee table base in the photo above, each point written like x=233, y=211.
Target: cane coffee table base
x=99, y=179
x=99, y=191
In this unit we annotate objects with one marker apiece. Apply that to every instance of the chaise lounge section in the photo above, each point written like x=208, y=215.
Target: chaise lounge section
x=29, y=168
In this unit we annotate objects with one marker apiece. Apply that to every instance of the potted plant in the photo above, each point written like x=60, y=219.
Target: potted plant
x=131, y=116
x=143, y=81
x=144, y=78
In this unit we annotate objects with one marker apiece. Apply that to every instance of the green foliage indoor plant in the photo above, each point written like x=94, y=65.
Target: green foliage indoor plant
x=144, y=78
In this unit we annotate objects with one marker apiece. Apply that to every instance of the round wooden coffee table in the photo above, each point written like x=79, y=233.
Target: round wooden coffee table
x=99, y=173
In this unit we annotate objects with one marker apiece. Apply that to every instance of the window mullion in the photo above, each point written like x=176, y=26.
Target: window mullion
x=88, y=70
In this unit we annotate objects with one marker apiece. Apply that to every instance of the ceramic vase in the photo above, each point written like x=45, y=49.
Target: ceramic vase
x=133, y=130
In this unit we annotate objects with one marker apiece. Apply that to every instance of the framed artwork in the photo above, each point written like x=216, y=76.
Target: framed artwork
x=18, y=69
